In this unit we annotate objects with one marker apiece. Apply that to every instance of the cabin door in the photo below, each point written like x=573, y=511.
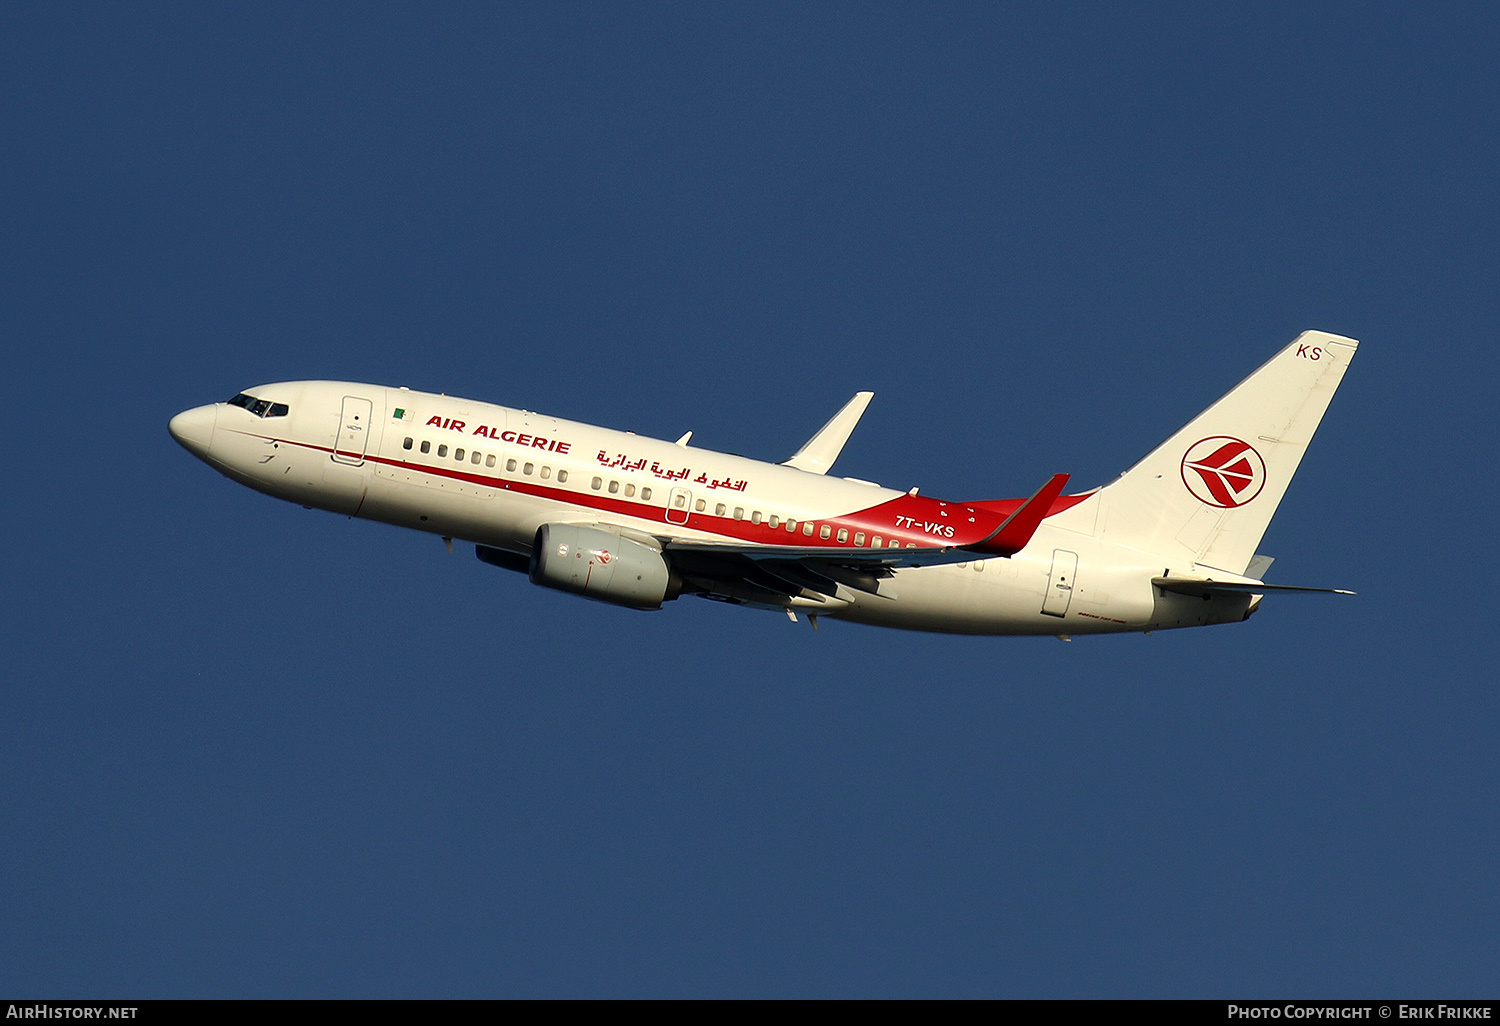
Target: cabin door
x=354, y=431
x=1060, y=584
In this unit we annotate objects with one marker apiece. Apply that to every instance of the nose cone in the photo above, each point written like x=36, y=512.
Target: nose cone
x=194, y=429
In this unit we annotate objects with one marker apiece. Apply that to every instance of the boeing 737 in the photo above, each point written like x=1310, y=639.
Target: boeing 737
x=637, y=522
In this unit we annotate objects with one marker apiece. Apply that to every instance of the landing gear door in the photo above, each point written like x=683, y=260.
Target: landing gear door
x=356, y=422
x=1060, y=585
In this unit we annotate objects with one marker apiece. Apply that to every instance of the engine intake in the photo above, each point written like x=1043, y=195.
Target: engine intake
x=601, y=565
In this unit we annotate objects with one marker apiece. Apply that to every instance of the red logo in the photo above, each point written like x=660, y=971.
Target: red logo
x=604, y=556
x=1223, y=471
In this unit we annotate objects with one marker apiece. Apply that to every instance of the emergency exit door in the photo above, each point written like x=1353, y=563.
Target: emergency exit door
x=679, y=504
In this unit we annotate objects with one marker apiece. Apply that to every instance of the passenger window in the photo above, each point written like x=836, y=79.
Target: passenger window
x=562, y=477
x=701, y=505
x=645, y=495
x=426, y=446
x=791, y=526
x=598, y=483
x=807, y=528
x=458, y=454
x=489, y=461
x=719, y=510
x=774, y=522
x=843, y=535
x=895, y=544
x=825, y=532
x=406, y=444
x=546, y=473
x=630, y=491
x=476, y=457
x=859, y=539
x=614, y=487
x=755, y=517
x=875, y=542
x=528, y=469
x=510, y=466
x=911, y=545
x=979, y=566
x=739, y=512
x=442, y=450
x=679, y=501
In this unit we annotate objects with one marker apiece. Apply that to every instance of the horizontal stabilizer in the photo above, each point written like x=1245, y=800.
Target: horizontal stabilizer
x=1013, y=534
x=817, y=456
x=1204, y=588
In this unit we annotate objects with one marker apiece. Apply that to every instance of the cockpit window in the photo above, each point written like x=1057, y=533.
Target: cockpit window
x=259, y=407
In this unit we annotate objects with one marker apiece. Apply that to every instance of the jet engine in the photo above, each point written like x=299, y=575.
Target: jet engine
x=601, y=565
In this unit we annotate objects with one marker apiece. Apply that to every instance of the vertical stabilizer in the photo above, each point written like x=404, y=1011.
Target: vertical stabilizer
x=1207, y=494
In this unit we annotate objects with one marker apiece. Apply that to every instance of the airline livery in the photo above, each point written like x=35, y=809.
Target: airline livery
x=637, y=522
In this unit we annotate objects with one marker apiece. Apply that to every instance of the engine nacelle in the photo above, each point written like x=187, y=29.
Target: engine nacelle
x=601, y=565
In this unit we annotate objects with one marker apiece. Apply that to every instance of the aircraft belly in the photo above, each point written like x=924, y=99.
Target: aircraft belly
x=487, y=516
x=957, y=600
x=1008, y=596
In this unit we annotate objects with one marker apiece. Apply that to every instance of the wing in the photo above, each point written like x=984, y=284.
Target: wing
x=782, y=576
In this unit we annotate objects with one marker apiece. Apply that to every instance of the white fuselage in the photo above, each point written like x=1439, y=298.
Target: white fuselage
x=493, y=476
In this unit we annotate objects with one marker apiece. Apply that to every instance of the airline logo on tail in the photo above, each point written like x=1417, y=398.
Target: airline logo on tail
x=1224, y=472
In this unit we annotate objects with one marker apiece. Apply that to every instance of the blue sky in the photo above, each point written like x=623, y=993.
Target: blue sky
x=252, y=750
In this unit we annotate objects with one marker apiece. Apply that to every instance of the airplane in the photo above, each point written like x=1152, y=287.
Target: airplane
x=637, y=522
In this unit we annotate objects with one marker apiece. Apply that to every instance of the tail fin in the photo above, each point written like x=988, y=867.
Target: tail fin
x=1206, y=495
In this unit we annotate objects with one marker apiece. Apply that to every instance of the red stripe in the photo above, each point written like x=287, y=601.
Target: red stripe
x=880, y=519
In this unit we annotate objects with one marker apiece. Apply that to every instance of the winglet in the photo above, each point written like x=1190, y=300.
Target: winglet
x=1012, y=535
x=824, y=447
